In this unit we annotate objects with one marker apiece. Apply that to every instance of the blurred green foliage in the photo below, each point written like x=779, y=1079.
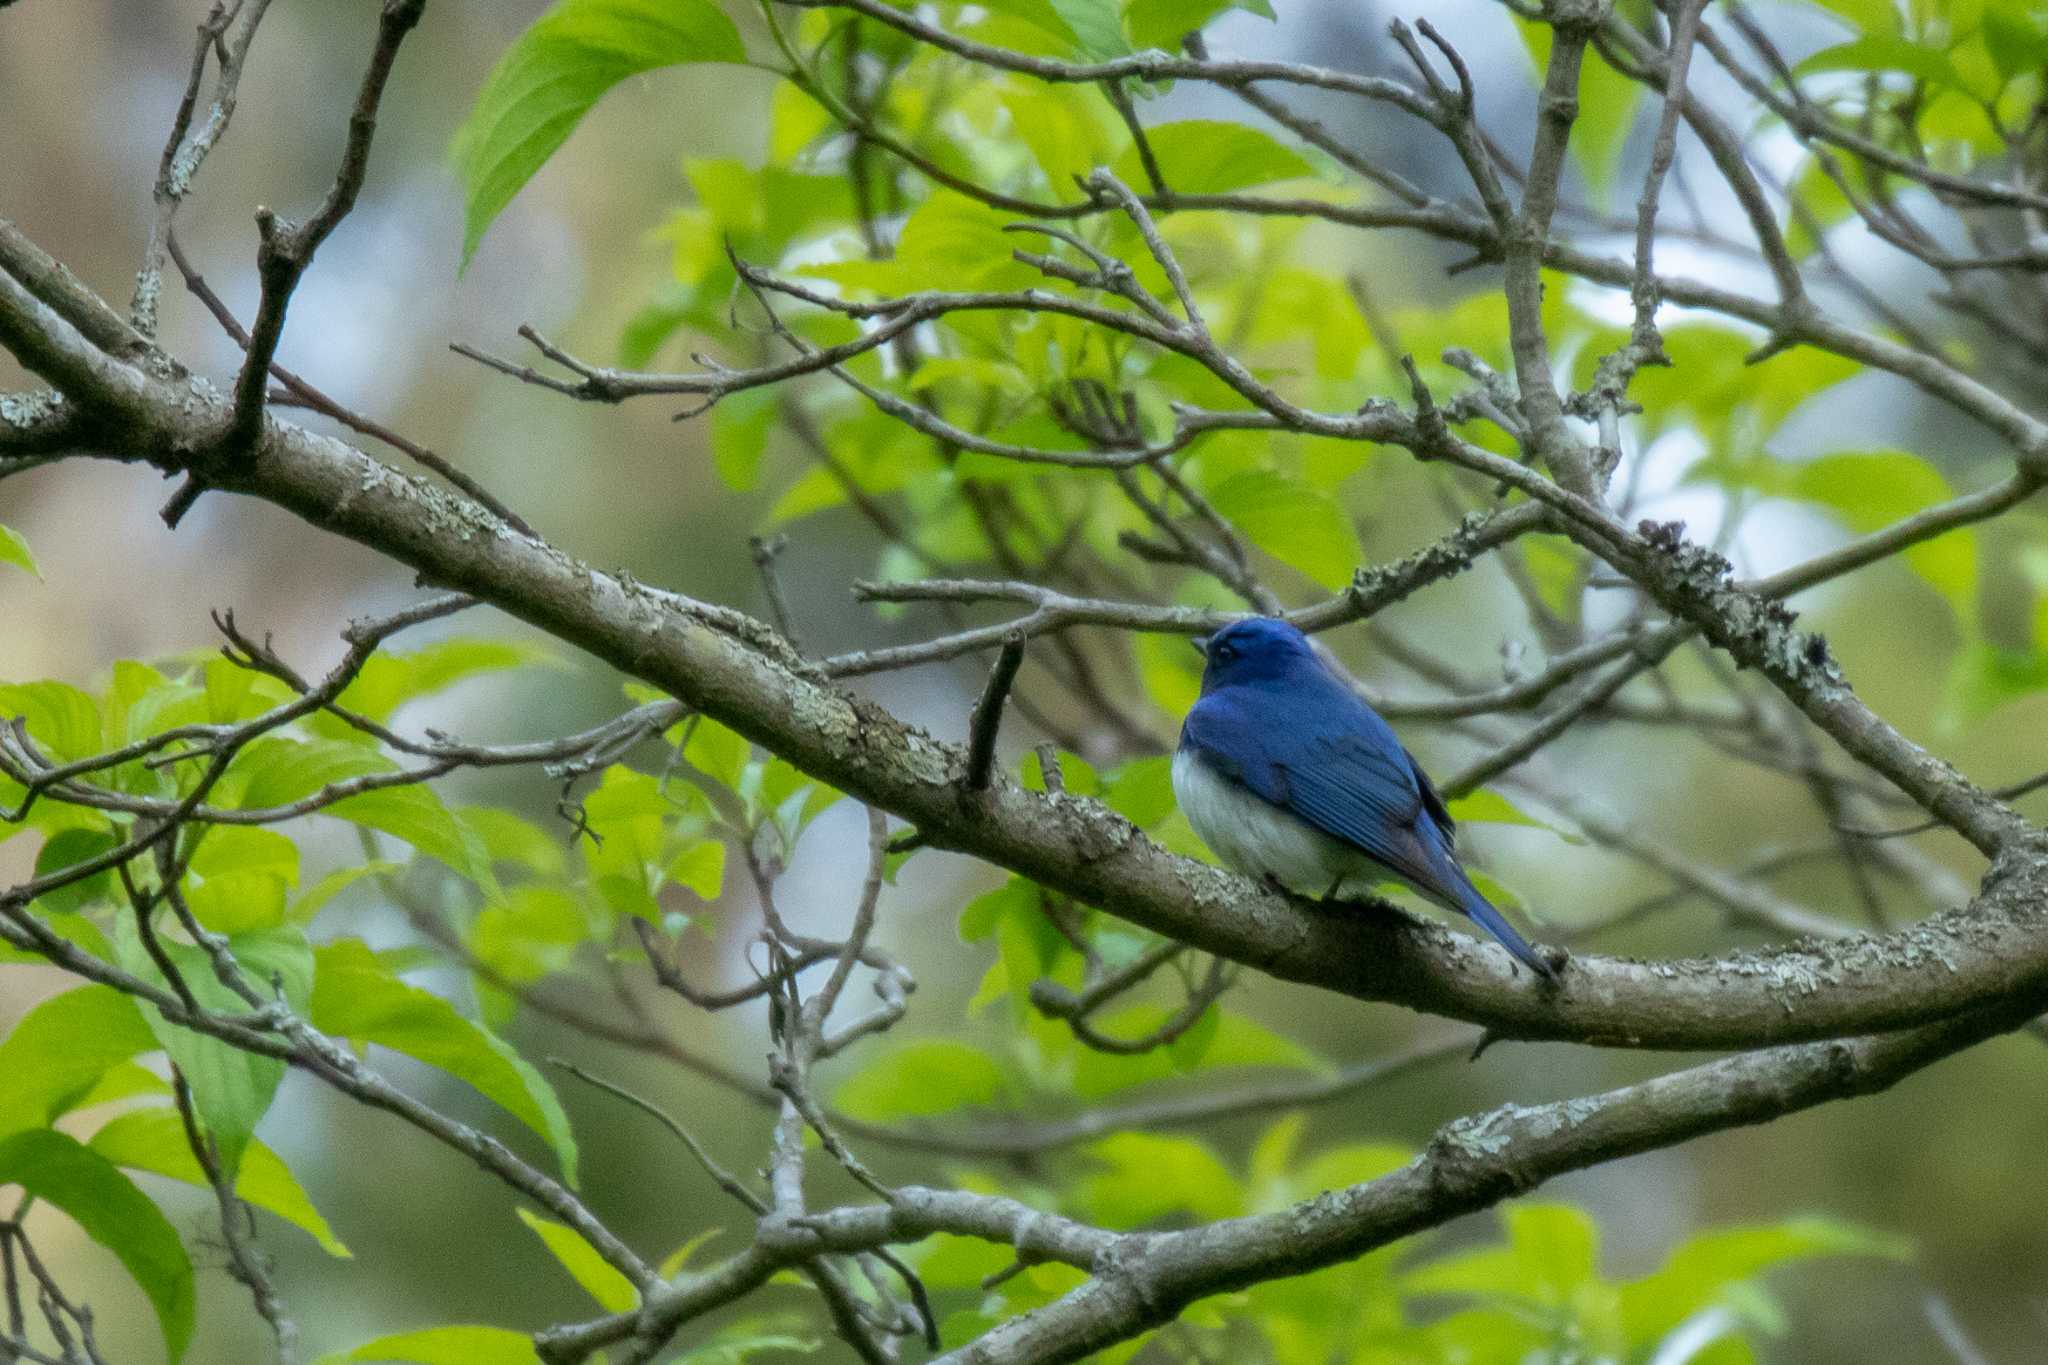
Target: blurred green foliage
x=663, y=836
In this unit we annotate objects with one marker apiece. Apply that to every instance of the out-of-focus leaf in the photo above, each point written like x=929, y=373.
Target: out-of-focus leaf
x=416, y=815
x=1097, y=26
x=354, y=996
x=509, y=838
x=57, y=1052
x=389, y=681
x=1212, y=156
x=737, y=1345
x=1702, y=1269
x=1292, y=522
x=303, y=910
x=549, y=79
x=1163, y=23
x=154, y=1140
x=67, y=848
x=1607, y=105
x=1237, y=1041
x=1487, y=806
x=1876, y=52
x=913, y=1079
x=63, y=721
x=444, y=1346
x=529, y=932
x=700, y=868
x=14, y=550
x=600, y=1279
x=1875, y=489
x=1145, y=1176
x=61, y=1172
x=1141, y=790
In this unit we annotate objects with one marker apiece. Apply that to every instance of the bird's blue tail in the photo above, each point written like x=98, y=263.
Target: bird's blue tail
x=1481, y=912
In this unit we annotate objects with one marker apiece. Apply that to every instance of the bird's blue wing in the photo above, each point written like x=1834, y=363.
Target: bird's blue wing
x=1356, y=789
x=1335, y=764
x=1338, y=770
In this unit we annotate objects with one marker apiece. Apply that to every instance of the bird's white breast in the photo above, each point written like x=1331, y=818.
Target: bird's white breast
x=1259, y=839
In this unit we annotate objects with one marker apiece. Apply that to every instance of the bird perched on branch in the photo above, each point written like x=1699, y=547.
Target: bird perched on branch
x=1290, y=777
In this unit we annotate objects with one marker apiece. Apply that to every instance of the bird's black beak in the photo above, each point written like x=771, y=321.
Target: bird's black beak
x=1201, y=644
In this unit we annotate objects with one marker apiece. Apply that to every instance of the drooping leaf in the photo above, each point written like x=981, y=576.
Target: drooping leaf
x=600, y=1279
x=58, y=1051
x=231, y=1088
x=549, y=79
x=355, y=996
x=154, y=1140
x=62, y=1172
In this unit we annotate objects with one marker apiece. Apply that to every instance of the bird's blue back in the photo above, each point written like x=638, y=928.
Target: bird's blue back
x=1277, y=722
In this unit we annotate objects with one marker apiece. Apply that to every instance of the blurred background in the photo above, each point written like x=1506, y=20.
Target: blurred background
x=87, y=90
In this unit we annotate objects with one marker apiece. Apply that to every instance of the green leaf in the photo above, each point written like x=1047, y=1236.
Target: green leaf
x=388, y=681
x=1487, y=806
x=231, y=1089
x=307, y=907
x=354, y=996
x=246, y=849
x=1097, y=26
x=68, y=848
x=1702, y=1270
x=1146, y=1176
x=62, y=720
x=1237, y=1041
x=1291, y=522
x=1985, y=677
x=154, y=1140
x=14, y=550
x=717, y=752
x=914, y=1079
x=1141, y=790
x=700, y=868
x=61, y=1172
x=416, y=815
x=739, y=435
x=1877, y=52
x=1212, y=156
x=445, y=1346
x=509, y=838
x=1871, y=491
x=549, y=79
x=600, y=1279
x=736, y=1346
x=1163, y=23
x=58, y=1051
x=533, y=931
x=1607, y=105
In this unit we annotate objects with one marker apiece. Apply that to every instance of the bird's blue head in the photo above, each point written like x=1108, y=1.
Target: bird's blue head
x=1261, y=649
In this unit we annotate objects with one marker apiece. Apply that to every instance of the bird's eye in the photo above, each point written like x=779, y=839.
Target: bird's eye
x=1224, y=652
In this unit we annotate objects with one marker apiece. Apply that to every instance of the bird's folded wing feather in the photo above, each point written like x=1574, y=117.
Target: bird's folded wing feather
x=1357, y=787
